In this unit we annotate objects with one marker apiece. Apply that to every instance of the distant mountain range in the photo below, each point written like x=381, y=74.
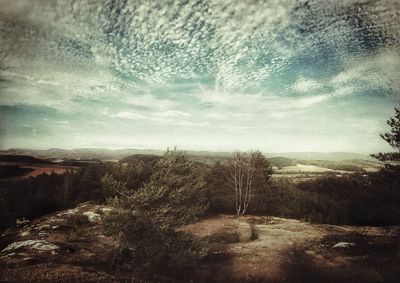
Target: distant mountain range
x=111, y=154
x=80, y=153
x=332, y=156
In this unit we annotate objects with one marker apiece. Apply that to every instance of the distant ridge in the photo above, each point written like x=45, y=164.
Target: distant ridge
x=80, y=153
x=117, y=154
x=332, y=156
x=21, y=158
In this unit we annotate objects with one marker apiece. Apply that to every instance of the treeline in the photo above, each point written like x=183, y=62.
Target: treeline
x=8, y=171
x=36, y=196
x=357, y=199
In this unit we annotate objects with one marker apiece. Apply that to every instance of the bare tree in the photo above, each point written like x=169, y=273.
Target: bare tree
x=247, y=170
x=241, y=173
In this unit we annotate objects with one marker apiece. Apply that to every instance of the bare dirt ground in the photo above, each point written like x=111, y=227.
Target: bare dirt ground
x=266, y=255
x=66, y=247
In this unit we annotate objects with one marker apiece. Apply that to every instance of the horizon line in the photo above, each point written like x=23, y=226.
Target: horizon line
x=181, y=149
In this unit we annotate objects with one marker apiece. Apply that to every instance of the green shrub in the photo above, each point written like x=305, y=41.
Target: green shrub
x=145, y=221
x=155, y=249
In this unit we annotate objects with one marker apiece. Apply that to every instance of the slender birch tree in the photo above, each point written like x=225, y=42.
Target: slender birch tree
x=243, y=168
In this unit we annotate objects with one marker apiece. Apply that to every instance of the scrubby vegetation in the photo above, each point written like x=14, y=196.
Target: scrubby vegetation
x=353, y=199
x=144, y=220
x=360, y=199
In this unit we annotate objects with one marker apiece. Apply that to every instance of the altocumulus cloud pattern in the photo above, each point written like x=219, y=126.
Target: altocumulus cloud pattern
x=219, y=74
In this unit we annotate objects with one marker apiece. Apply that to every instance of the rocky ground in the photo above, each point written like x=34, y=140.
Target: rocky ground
x=61, y=247
x=70, y=246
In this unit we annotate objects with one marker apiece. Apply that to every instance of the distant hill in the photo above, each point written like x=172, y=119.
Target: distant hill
x=140, y=157
x=21, y=158
x=281, y=162
x=117, y=154
x=102, y=153
x=332, y=156
x=81, y=153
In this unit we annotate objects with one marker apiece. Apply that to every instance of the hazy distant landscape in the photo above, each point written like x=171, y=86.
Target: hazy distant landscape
x=200, y=141
x=36, y=162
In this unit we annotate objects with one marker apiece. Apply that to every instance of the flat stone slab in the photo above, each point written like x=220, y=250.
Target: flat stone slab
x=39, y=245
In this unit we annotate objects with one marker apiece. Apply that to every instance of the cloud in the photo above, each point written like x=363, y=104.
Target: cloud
x=236, y=46
x=172, y=118
x=151, y=102
x=304, y=85
x=217, y=66
x=173, y=113
x=310, y=101
x=134, y=116
x=380, y=71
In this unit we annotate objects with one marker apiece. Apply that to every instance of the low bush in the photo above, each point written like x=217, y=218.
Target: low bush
x=145, y=221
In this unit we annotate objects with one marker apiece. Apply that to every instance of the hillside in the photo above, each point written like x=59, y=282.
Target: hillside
x=267, y=249
x=21, y=159
x=298, y=165
x=100, y=153
x=116, y=154
x=72, y=159
x=332, y=156
x=80, y=153
x=139, y=157
x=24, y=166
x=281, y=162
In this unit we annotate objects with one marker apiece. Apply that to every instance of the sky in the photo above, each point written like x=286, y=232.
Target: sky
x=278, y=76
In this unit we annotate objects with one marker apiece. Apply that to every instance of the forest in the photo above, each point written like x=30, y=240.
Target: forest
x=351, y=199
